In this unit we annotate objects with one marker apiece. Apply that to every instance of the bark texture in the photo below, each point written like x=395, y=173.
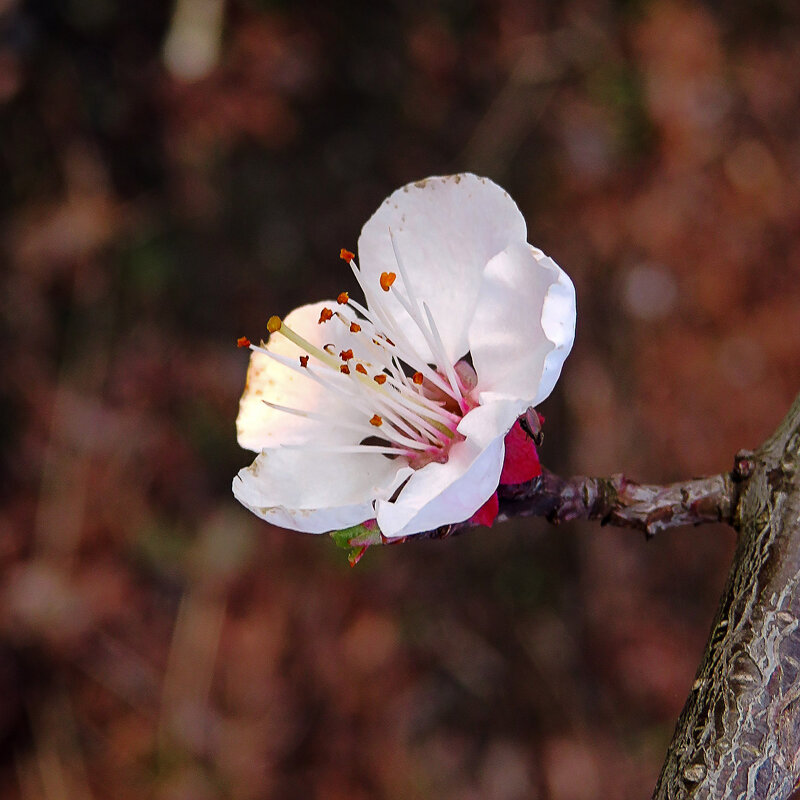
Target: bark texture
x=739, y=733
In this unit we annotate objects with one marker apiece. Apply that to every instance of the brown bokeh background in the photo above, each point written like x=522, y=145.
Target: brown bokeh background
x=173, y=176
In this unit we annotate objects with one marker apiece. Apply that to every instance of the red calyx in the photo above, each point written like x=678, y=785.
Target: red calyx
x=487, y=513
x=521, y=463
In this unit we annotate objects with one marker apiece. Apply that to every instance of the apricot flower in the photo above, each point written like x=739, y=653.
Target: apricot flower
x=397, y=410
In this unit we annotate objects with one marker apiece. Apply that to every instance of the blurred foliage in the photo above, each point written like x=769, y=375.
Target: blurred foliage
x=174, y=175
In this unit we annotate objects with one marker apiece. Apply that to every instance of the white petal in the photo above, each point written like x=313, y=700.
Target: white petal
x=446, y=229
x=439, y=494
x=259, y=426
x=523, y=327
x=315, y=492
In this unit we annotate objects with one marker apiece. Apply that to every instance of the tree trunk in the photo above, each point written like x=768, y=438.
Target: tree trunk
x=739, y=733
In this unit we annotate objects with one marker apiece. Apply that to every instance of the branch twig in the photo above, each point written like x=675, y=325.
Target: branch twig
x=617, y=500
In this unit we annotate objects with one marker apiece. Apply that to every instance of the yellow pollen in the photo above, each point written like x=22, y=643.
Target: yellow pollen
x=274, y=324
x=376, y=421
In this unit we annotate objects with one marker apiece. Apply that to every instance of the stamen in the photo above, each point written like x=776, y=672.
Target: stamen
x=326, y=418
x=442, y=356
x=385, y=318
x=402, y=270
x=243, y=341
x=332, y=386
x=416, y=360
x=275, y=325
x=401, y=414
x=403, y=445
x=436, y=407
x=349, y=448
x=395, y=394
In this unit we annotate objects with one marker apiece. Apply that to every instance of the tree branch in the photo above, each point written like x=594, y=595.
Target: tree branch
x=739, y=733
x=616, y=500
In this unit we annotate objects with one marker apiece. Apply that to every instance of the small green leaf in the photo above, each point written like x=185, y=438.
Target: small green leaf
x=357, y=539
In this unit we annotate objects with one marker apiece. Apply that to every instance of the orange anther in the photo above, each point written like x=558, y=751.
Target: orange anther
x=376, y=421
x=354, y=327
x=361, y=368
x=346, y=255
x=380, y=379
x=274, y=324
x=342, y=298
x=387, y=279
x=324, y=315
x=346, y=355
x=303, y=361
x=417, y=378
x=243, y=341
x=345, y=369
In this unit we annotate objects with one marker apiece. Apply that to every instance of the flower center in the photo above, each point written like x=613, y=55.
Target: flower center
x=410, y=406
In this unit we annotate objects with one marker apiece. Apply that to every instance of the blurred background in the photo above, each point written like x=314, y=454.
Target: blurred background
x=173, y=175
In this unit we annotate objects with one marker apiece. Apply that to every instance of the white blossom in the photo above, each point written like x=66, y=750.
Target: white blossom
x=396, y=409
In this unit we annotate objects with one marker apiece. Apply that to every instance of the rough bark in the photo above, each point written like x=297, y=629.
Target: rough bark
x=739, y=733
